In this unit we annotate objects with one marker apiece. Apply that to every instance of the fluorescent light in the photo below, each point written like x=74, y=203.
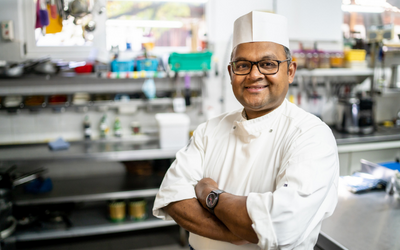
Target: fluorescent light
x=363, y=9
x=181, y=1
x=145, y=23
x=370, y=2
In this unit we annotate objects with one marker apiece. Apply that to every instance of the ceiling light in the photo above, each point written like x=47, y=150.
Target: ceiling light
x=145, y=23
x=362, y=9
x=181, y=1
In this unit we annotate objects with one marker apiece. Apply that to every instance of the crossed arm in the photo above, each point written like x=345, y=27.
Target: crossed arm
x=230, y=221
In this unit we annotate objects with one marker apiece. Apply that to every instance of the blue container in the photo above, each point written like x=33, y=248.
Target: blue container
x=147, y=64
x=197, y=61
x=393, y=165
x=122, y=66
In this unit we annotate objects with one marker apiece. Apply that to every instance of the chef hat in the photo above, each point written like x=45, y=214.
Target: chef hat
x=258, y=26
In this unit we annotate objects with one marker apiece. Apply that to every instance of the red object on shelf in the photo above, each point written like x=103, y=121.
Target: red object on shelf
x=88, y=68
x=58, y=99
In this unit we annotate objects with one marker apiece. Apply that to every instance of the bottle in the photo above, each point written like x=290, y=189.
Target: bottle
x=117, y=128
x=104, y=127
x=86, y=128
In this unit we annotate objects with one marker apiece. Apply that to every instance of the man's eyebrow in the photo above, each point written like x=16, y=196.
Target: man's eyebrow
x=269, y=57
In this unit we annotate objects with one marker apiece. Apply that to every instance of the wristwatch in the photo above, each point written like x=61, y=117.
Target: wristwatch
x=212, y=199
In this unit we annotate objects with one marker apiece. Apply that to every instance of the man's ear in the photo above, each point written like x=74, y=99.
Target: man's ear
x=229, y=68
x=292, y=71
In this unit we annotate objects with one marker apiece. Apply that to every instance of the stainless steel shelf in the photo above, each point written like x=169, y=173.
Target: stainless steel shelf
x=335, y=72
x=64, y=84
x=86, y=222
x=120, y=150
x=98, y=188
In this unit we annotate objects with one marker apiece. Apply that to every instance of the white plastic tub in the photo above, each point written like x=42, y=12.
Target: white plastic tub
x=173, y=130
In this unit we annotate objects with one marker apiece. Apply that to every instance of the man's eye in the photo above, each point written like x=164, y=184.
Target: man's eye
x=267, y=64
x=242, y=65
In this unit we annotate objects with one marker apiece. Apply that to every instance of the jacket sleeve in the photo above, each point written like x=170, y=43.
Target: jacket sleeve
x=182, y=176
x=305, y=193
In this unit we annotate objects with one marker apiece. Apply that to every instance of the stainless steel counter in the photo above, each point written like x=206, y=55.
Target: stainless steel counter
x=381, y=134
x=113, y=150
x=147, y=149
x=365, y=221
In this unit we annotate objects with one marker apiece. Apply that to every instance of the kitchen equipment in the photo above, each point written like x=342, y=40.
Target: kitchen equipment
x=8, y=180
x=354, y=115
x=90, y=26
x=395, y=78
x=46, y=67
x=11, y=70
x=78, y=8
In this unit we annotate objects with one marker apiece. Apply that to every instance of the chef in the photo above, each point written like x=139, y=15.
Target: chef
x=261, y=177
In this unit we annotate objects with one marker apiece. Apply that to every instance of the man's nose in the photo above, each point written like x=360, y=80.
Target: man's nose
x=254, y=72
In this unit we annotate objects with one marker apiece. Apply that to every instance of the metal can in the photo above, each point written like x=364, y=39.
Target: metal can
x=117, y=210
x=137, y=209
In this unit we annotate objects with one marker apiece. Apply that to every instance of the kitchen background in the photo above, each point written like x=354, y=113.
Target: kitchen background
x=100, y=71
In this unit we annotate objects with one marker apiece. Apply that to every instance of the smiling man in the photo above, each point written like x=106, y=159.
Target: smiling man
x=262, y=177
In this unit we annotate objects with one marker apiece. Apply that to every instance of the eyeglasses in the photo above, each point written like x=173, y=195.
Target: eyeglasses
x=266, y=67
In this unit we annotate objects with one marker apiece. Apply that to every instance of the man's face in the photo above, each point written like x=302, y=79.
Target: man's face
x=260, y=94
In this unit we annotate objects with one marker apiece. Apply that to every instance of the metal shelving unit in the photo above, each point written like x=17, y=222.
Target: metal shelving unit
x=92, y=219
x=89, y=221
x=335, y=72
x=100, y=188
x=90, y=216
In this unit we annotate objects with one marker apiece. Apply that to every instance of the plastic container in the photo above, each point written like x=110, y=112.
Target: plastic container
x=355, y=55
x=122, y=66
x=173, y=130
x=88, y=68
x=147, y=64
x=200, y=61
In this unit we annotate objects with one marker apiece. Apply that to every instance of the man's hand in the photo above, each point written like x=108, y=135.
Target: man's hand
x=231, y=211
x=190, y=215
x=203, y=188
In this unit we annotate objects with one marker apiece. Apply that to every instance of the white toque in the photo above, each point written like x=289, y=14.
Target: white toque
x=258, y=26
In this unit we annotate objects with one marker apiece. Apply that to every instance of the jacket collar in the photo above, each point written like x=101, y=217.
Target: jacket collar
x=254, y=127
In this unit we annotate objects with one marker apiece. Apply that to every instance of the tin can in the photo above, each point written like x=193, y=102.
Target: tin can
x=137, y=209
x=117, y=210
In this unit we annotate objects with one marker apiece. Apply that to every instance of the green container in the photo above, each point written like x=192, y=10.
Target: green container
x=199, y=61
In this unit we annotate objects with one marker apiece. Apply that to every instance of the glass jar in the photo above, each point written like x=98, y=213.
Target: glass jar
x=324, y=60
x=336, y=60
x=312, y=60
x=300, y=58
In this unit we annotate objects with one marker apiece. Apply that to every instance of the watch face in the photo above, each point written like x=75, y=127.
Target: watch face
x=211, y=200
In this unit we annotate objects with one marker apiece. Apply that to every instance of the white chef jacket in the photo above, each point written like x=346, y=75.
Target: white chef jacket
x=285, y=162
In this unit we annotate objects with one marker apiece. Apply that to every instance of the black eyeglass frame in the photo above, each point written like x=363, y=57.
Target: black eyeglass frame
x=256, y=63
